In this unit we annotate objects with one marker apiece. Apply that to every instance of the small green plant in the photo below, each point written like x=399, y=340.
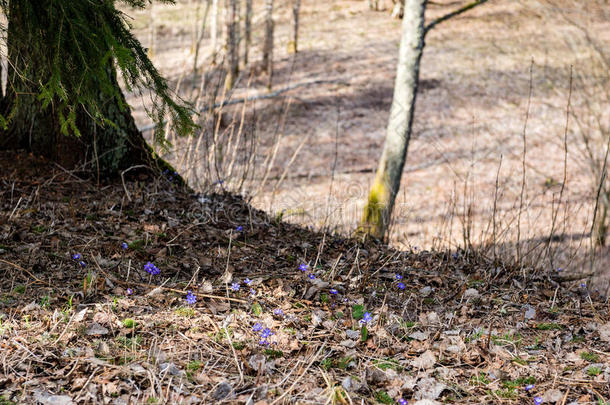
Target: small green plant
x=257, y=309
x=136, y=244
x=549, y=326
x=186, y=312
x=507, y=339
x=238, y=345
x=480, y=379
x=387, y=363
x=326, y=364
x=382, y=397
x=194, y=365
x=45, y=301
x=590, y=357
x=357, y=311
x=129, y=323
x=19, y=289
x=474, y=336
x=509, y=393
x=4, y=401
x=129, y=342
x=344, y=362
x=324, y=298
x=274, y=354
x=594, y=371
x=519, y=382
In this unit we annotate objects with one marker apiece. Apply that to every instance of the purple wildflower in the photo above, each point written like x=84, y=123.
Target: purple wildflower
x=401, y=285
x=124, y=246
x=257, y=326
x=311, y=276
x=83, y=264
x=398, y=276
x=239, y=228
x=278, y=312
x=190, y=298
x=366, y=318
x=538, y=400
x=129, y=291
x=333, y=291
x=76, y=256
x=529, y=387
x=303, y=267
x=402, y=401
x=235, y=287
x=151, y=269
x=247, y=281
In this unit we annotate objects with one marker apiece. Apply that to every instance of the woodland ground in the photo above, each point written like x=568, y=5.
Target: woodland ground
x=459, y=330
x=467, y=140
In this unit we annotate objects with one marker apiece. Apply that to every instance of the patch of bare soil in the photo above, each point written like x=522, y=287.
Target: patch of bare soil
x=276, y=313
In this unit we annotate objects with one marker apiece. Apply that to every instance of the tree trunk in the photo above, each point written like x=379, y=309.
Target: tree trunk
x=600, y=228
x=296, y=7
x=374, y=5
x=268, y=43
x=214, y=30
x=231, y=60
x=378, y=210
x=248, y=30
x=104, y=149
x=399, y=9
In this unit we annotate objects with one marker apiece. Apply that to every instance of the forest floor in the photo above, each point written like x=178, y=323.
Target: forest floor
x=278, y=313
x=469, y=179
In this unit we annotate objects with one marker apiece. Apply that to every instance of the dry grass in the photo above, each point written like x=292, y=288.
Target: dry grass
x=470, y=114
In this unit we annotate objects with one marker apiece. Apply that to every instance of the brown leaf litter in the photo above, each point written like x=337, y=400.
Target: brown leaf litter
x=463, y=330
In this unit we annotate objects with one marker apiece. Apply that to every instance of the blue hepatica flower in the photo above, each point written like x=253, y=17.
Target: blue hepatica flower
x=129, y=291
x=257, y=327
x=403, y=401
x=239, y=228
x=303, y=267
x=247, y=281
x=366, y=318
x=278, y=312
x=333, y=291
x=311, y=276
x=266, y=333
x=252, y=292
x=398, y=276
x=190, y=298
x=76, y=256
x=529, y=387
x=538, y=400
x=83, y=264
x=235, y=287
x=151, y=269
x=401, y=285
x=124, y=246
x=583, y=285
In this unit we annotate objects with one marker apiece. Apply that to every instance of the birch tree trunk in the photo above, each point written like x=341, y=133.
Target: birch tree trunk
x=231, y=59
x=296, y=7
x=378, y=210
x=268, y=43
x=214, y=30
x=247, y=30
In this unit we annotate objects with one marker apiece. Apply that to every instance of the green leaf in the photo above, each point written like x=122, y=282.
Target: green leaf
x=358, y=311
x=364, y=333
x=257, y=310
